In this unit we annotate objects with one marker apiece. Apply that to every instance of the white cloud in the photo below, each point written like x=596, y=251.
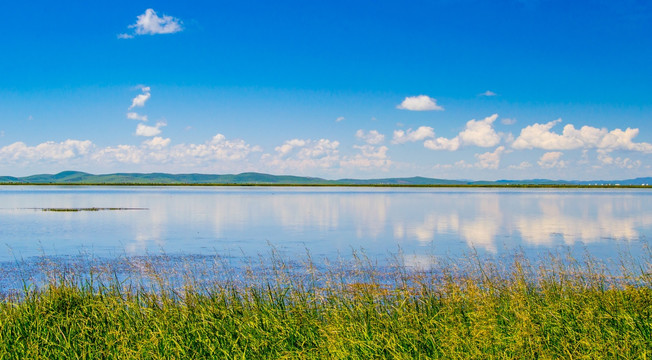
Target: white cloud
x=508, y=121
x=372, y=137
x=370, y=157
x=289, y=145
x=218, y=148
x=423, y=132
x=154, y=151
x=539, y=136
x=299, y=155
x=476, y=132
x=341, y=118
x=488, y=93
x=150, y=23
x=157, y=142
x=521, y=166
x=144, y=130
x=480, y=132
x=605, y=158
x=463, y=164
x=157, y=151
x=121, y=153
x=490, y=160
x=49, y=150
x=442, y=143
x=139, y=100
x=419, y=103
x=136, y=116
x=552, y=160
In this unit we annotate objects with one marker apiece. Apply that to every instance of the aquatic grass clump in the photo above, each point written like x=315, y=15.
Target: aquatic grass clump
x=558, y=307
x=89, y=209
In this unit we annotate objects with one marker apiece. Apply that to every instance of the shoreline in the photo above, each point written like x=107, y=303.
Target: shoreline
x=506, y=186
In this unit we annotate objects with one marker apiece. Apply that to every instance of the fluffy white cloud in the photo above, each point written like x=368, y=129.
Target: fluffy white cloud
x=157, y=151
x=120, y=153
x=480, y=132
x=423, y=132
x=150, y=23
x=419, y=103
x=218, y=148
x=605, y=158
x=144, y=130
x=139, y=100
x=442, y=143
x=476, y=132
x=49, y=150
x=136, y=116
x=540, y=136
x=299, y=155
x=157, y=142
x=289, y=145
x=552, y=160
x=372, y=137
x=152, y=151
x=370, y=157
x=490, y=160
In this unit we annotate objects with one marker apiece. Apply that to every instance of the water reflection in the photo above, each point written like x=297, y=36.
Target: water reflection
x=585, y=219
x=328, y=221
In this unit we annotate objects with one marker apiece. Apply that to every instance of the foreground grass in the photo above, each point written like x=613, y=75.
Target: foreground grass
x=482, y=309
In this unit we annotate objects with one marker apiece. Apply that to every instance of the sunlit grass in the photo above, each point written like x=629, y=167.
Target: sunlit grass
x=558, y=307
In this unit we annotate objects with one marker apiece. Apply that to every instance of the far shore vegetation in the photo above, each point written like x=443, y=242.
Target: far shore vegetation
x=261, y=179
x=492, y=185
x=473, y=308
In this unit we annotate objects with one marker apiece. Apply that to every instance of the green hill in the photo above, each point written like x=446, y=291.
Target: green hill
x=253, y=178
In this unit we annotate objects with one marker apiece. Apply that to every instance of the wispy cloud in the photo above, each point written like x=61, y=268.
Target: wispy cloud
x=341, y=118
x=144, y=130
x=150, y=23
x=141, y=99
x=488, y=93
x=521, y=166
x=419, y=103
x=422, y=133
x=136, y=116
x=372, y=137
x=302, y=154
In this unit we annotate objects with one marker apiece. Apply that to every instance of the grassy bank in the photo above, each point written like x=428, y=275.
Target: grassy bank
x=556, y=308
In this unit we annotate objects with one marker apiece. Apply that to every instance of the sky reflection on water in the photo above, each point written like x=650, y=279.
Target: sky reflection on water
x=326, y=221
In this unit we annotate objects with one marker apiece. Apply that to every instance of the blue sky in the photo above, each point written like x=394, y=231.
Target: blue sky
x=450, y=89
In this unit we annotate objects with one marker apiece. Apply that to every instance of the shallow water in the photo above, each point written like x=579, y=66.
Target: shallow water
x=232, y=221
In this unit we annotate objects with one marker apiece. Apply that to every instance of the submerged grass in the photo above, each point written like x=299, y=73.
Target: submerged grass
x=559, y=307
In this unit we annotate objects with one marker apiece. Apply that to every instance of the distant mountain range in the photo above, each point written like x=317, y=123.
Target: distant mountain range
x=251, y=178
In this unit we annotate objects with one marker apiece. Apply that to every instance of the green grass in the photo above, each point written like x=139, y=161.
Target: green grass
x=482, y=309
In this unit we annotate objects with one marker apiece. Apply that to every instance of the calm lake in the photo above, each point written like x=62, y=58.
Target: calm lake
x=328, y=222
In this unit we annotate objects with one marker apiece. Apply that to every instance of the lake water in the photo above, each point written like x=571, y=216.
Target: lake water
x=328, y=222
